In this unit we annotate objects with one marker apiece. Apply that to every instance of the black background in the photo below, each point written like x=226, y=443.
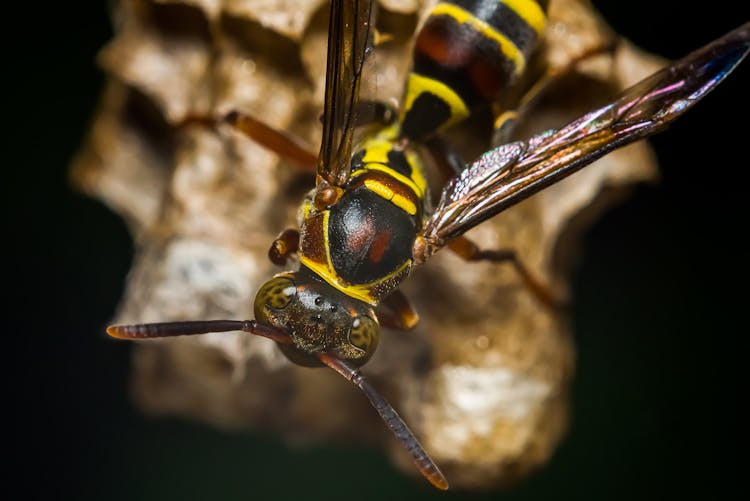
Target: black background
x=659, y=310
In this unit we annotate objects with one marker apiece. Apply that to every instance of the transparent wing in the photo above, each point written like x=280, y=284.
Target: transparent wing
x=508, y=174
x=348, y=35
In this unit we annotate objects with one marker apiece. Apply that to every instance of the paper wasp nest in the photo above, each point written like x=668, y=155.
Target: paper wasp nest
x=483, y=380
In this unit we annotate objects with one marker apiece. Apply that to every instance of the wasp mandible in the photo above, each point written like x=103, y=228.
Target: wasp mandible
x=367, y=224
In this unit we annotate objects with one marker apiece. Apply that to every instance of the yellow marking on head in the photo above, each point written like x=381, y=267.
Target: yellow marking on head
x=530, y=11
x=507, y=47
x=419, y=84
x=385, y=192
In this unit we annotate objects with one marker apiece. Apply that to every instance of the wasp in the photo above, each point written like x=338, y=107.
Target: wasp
x=368, y=222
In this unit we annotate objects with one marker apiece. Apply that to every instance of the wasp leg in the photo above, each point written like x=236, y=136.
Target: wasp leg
x=286, y=244
x=397, y=312
x=506, y=120
x=469, y=251
x=505, y=124
x=282, y=143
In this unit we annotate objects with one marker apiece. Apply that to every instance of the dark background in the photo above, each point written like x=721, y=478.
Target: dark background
x=659, y=310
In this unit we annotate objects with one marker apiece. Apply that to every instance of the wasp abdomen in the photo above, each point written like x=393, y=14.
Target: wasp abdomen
x=466, y=54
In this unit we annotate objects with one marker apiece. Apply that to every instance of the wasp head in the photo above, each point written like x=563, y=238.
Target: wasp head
x=318, y=317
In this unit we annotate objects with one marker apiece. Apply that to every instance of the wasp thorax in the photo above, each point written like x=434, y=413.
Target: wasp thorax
x=319, y=318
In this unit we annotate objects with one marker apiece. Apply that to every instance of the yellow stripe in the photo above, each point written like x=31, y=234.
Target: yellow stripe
x=419, y=84
x=507, y=47
x=357, y=292
x=327, y=245
x=530, y=11
x=361, y=292
x=398, y=200
x=377, y=149
x=396, y=175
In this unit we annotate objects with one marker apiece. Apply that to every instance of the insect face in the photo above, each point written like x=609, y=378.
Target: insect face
x=318, y=318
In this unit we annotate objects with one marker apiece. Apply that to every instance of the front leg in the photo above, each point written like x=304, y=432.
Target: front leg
x=397, y=312
x=286, y=244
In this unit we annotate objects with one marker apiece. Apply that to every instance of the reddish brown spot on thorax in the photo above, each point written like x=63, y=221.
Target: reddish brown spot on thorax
x=379, y=245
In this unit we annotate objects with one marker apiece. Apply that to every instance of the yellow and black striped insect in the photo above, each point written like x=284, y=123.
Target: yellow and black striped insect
x=366, y=225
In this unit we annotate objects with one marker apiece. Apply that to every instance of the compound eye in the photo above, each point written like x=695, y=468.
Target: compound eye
x=277, y=293
x=364, y=334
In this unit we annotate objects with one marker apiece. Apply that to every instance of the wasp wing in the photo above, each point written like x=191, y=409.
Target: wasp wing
x=512, y=172
x=348, y=36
